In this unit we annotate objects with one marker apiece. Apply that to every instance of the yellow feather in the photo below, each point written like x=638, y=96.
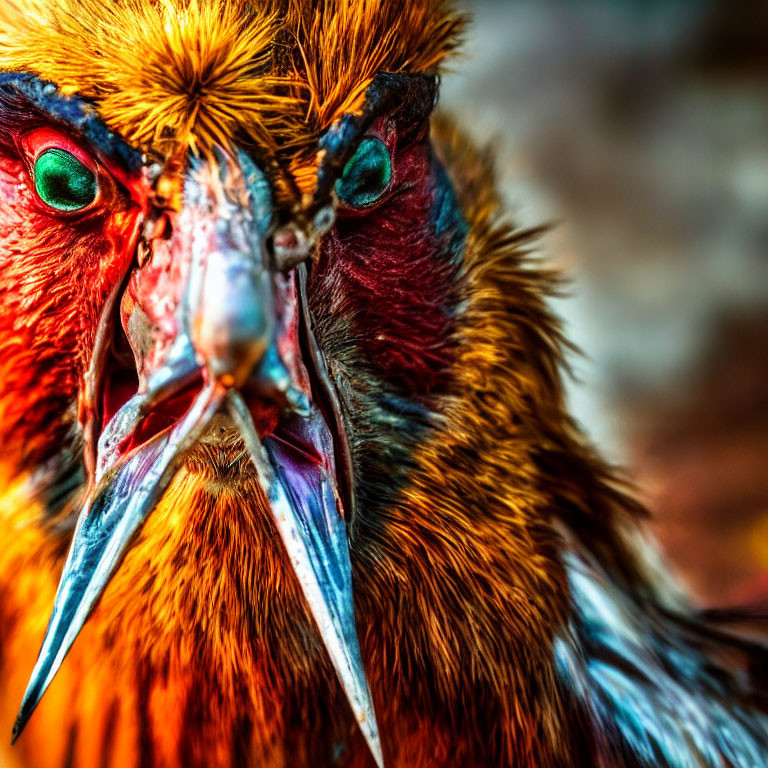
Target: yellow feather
x=172, y=74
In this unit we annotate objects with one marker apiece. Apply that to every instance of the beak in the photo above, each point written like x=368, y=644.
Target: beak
x=212, y=327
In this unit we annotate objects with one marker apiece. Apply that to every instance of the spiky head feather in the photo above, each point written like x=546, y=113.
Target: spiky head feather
x=200, y=72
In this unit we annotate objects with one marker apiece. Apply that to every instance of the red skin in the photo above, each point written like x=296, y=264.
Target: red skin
x=56, y=271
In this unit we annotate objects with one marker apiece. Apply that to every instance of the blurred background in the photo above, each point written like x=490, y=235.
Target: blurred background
x=640, y=129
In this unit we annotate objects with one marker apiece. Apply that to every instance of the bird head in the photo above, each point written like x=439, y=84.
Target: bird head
x=228, y=240
x=212, y=235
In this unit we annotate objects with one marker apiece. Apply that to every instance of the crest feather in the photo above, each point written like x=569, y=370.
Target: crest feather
x=172, y=73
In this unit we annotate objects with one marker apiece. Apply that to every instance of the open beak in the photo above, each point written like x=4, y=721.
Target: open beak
x=213, y=329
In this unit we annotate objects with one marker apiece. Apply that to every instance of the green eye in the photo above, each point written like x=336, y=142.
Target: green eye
x=63, y=182
x=366, y=176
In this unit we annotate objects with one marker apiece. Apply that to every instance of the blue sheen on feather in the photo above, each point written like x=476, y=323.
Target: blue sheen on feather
x=657, y=701
x=449, y=220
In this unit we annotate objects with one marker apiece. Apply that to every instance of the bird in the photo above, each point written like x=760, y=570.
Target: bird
x=288, y=475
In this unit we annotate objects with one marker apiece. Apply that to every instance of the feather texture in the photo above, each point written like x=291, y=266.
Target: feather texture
x=506, y=614
x=655, y=699
x=173, y=73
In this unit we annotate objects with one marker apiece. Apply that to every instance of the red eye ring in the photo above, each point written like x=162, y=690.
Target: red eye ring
x=111, y=179
x=41, y=139
x=57, y=195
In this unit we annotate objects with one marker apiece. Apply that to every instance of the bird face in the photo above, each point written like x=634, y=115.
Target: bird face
x=259, y=348
x=152, y=303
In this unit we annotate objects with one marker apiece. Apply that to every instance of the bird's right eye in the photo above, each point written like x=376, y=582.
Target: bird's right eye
x=63, y=182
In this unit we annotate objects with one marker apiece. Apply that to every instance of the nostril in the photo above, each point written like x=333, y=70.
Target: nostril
x=290, y=247
x=286, y=239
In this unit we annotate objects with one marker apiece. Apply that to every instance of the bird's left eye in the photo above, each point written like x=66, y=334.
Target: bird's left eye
x=366, y=176
x=63, y=182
